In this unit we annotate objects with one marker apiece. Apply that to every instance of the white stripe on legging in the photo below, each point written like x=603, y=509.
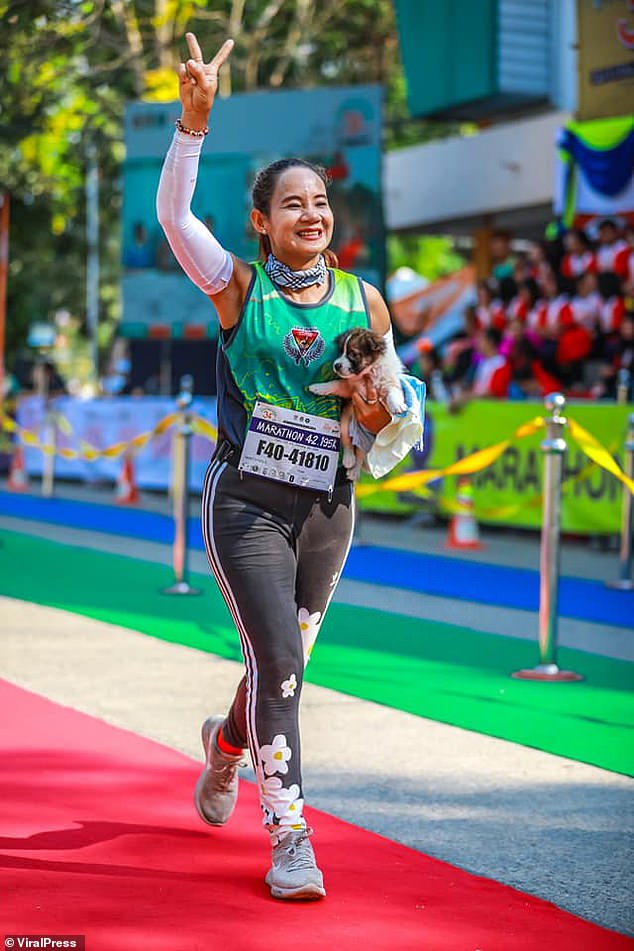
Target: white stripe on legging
x=211, y=481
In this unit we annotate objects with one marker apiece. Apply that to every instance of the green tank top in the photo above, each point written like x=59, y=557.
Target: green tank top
x=279, y=347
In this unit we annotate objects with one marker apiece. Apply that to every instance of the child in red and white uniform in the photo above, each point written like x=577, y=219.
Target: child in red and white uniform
x=579, y=258
x=586, y=303
x=493, y=372
x=564, y=343
x=624, y=263
x=612, y=308
x=490, y=309
x=611, y=247
x=550, y=316
x=525, y=301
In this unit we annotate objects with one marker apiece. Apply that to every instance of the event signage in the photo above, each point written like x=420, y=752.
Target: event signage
x=606, y=58
x=292, y=447
x=107, y=422
x=509, y=491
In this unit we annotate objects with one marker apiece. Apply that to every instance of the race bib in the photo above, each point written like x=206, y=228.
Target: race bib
x=291, y=447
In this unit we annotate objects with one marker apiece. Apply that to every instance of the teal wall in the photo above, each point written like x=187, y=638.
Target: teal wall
x=449, y=51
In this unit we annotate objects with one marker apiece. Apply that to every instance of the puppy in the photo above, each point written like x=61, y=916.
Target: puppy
x=365, y=358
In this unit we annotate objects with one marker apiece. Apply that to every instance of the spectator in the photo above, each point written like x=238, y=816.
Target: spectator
x=586, y=303
x=116, y=380
x=428, y=368
x=612, y=307
x=46, y=380
x=537, y=262
x=529, y=379
x=501, y=255
x=579, y=258
x=619, y=357
x=554, y=312
x=492, y=374
x=625, y=262
x=490, y=309
x=610, y=245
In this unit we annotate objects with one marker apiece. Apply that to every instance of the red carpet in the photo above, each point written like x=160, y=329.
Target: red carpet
x=100, y=838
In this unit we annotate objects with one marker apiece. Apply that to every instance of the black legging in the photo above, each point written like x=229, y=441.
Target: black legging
x=277, y=553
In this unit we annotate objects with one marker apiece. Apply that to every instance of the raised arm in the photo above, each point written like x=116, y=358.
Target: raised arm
x=213, y=269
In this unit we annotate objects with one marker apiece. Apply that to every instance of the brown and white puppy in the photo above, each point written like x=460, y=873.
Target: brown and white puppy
x=365, y=358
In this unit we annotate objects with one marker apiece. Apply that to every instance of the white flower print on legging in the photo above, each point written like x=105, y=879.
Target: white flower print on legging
x=275, y=755
x=281, y=806
x=309, y=625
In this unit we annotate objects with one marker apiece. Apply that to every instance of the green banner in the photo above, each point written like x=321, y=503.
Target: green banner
x=508, y=492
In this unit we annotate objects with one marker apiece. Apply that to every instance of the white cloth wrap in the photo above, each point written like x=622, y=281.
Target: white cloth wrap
x=200, y=255
x=392, y=443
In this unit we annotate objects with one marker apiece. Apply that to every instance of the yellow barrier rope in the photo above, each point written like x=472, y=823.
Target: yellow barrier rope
x=467, y=466
x=86, y=450
x=203, y=427
x=598, y=453
x=450, y=506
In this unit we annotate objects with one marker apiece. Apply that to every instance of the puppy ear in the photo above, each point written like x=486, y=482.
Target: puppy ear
x=341, y=339
x=378, y=345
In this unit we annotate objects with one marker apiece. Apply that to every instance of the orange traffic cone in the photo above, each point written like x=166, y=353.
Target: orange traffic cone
x=18, y=480
x=463, y=528
x=127, y=492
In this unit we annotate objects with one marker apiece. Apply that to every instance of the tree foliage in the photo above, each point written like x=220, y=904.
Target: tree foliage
x=69, y=67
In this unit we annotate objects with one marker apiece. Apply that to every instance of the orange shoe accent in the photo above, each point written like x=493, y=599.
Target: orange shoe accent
x=225, y=747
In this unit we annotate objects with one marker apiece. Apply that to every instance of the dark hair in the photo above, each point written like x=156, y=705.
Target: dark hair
x=507, y=289
x=608, y=284
x=262, y=192
x=581, y=237
x=493, y=335
x=533, y=288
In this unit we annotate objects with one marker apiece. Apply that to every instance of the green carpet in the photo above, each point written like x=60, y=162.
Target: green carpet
x=441, y=671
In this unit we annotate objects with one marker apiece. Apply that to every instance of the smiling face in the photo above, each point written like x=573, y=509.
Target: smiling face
x=299, y=222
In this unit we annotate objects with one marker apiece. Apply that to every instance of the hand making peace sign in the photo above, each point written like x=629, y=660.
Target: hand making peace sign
x=198, y=81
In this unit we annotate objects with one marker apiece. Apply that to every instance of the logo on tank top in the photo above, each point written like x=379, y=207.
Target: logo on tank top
x=304, y=344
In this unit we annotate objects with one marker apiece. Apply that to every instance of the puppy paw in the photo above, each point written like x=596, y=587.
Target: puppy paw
x=321, y=389
x=395, y=402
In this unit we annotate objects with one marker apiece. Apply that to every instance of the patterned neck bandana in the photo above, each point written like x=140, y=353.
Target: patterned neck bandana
x=284, y=276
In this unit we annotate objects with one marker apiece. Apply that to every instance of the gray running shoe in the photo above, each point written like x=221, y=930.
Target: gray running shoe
x=294, y=872
x=216, y=791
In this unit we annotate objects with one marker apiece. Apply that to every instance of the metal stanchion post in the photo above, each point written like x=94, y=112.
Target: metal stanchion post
x=625, y=582
x=50, y=438
x=181, y=493
x=554, y=449
x=623, y=380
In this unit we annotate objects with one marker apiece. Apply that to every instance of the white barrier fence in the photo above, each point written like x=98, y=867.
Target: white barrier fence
x=106, y=421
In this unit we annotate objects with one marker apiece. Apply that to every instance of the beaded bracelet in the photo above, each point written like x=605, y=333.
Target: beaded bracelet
x=198, y=133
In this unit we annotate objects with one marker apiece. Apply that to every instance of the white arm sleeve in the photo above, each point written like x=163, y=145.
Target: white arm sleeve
x=202, y=258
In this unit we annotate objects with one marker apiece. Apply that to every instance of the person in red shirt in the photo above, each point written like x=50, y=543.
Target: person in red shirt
x=611, y=245
x=624, y=263
x=492, y=374
x=490, y=309
x=612, y=307
x=563, y=343
x=550, y=316
x=579, y=258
